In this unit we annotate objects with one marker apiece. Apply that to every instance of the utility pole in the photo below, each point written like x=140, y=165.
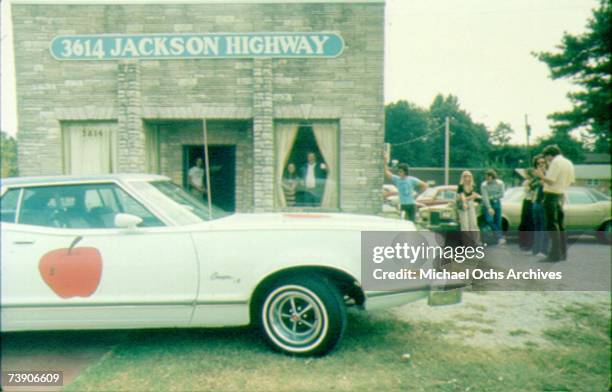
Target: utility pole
x=207, y=169
x=446, y=149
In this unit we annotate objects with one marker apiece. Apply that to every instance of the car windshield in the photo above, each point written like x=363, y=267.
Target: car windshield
x=178, y=204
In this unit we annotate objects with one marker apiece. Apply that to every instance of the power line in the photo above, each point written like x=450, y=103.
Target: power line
x=418, y=138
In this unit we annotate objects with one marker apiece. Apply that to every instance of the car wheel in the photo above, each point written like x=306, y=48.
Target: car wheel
x=605, y=233
x=303, y=316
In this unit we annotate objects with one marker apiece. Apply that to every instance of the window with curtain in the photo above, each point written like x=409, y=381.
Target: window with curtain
x=307, y=164
x=89, y=147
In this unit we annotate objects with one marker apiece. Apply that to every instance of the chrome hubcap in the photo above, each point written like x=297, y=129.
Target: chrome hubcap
x=295, y=317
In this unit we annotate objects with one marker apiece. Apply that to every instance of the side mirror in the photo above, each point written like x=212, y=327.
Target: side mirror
x=127, y=221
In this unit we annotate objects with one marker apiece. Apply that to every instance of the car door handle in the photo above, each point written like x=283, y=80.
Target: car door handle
x=25, y=242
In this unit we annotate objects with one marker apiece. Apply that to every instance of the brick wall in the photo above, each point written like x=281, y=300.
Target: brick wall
x=348, y=88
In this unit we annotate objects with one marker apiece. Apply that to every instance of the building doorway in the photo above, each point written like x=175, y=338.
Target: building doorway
x=222, y=159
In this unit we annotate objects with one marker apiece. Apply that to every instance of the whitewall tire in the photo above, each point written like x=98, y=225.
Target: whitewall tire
x=303, y=316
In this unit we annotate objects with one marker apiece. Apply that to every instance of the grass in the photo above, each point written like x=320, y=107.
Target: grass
x=369, y=358
x=585, y=326
x=518, y=332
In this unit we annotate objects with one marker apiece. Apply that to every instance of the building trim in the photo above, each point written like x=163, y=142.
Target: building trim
x=86, y=113
x=307, y=111
x=197, y=112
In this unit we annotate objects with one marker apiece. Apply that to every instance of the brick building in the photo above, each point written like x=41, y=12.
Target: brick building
x=131, y=86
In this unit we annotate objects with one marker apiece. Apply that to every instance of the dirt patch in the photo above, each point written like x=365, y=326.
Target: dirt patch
x=511, y=319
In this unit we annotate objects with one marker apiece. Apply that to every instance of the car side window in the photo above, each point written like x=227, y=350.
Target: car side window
x=80, y=206
x=579, y=197
x=40, y=207
x=8, y=205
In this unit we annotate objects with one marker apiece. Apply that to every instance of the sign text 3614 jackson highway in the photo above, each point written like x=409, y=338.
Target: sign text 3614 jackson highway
x=173, y=46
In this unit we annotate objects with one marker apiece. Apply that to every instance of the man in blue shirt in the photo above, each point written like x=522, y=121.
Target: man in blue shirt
x=406, y=187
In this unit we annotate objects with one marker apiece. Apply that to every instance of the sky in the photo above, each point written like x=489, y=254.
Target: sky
x=477, y=50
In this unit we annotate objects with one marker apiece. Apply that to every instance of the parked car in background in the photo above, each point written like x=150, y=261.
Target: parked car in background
x=438, y=195
x=136, y=251
x=441, y=217
x=391, y=203
x=585, y=209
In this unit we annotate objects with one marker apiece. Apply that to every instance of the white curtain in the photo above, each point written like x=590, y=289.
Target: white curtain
x=326, y=134
x=90, y=148
x=285, y=137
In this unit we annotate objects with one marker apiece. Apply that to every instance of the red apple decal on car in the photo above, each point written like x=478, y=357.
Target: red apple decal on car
x=72, y=272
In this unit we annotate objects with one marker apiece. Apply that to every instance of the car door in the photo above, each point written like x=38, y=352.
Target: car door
x=580, y=210
x=65, y=265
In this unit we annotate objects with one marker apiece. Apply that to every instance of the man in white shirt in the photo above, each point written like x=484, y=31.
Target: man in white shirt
x=196, y=180
x=313, y=180
x=558, y=177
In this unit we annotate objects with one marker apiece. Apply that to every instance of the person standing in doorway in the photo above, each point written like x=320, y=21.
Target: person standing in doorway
x=492, y=190
x=406, y=187
x=195, y=178
x=558, y=177
x=313, y=176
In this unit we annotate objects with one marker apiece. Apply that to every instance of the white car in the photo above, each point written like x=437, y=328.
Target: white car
x=136, y=251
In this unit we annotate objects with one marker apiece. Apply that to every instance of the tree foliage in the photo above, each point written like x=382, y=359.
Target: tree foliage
x=406, y=128
x=586, y=60
x=469, y=140
x=8, y=154
x=571, y=148
x=502, y=134
x=417, y=134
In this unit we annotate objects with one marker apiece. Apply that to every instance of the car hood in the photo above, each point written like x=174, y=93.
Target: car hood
x=310, y=221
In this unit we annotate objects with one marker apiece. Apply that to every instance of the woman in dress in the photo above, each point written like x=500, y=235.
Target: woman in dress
x=526, y=226
x=540, y=240
x=466, y=195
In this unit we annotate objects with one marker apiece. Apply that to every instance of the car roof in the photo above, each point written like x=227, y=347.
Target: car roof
x=573, y=187
x=44, y=180
x=441, y=187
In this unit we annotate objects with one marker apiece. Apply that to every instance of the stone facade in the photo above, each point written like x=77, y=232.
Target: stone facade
x=258, y=92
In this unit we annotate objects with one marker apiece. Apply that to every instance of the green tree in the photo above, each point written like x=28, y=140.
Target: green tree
x=8, y=155
x=509, y=157
x=469, y=140
x=406, y=128
x=502, y=134
x=571, y=148
x=586, y=60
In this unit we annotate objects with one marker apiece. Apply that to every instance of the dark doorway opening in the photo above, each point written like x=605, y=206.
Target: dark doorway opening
x=222, y=172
